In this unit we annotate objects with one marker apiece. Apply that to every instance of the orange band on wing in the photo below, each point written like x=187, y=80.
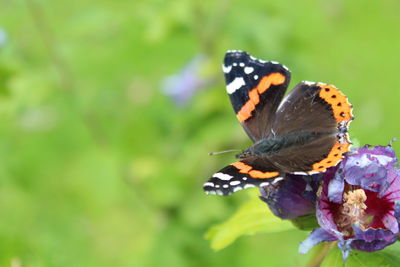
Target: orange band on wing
x=275, y=78
x=244, y=168
x=333, y=158
x=263, y=175
x=342, y=109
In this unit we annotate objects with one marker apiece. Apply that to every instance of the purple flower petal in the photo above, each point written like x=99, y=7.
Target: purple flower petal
x=372, y=239
x=382, y=205
x=367, y=167
x=292, y=197
x=371, y=234
x=336, y=185
x=182, y=86
x=324, y=209
x=371, y=177
x=317, y=236
x=397, y=211
x=384, y=155
x=392, y=192
x=364, y=171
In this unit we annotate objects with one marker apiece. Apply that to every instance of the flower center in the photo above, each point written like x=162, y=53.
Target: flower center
x=352, y=211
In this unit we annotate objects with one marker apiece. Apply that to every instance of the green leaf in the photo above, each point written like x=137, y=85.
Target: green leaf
x=252, y=217
x=386, y=257
x=307, y=222
x=333, y=259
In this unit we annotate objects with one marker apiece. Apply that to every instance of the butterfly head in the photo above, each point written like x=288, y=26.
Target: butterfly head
x=245, y=154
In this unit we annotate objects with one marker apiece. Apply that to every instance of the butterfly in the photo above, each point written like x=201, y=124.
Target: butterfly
x=304, y=133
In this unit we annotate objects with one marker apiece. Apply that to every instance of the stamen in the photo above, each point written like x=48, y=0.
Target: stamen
x=355, y=204
x=352, y=211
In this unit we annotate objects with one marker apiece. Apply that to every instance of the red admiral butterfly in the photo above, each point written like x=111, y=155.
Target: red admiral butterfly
x=305, y=133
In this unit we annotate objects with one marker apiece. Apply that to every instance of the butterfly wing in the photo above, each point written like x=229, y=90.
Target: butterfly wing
x=316, y=109
x=250, y=172
x=256, y=89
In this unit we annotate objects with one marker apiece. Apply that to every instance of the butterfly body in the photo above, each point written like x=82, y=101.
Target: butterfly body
x=277, y=144
x=303, y=133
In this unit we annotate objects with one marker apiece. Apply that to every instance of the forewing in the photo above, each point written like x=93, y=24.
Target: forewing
x=255, y=88
x=250, y=172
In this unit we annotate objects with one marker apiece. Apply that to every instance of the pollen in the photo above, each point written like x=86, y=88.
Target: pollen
x=352, y=211
x=354, y=205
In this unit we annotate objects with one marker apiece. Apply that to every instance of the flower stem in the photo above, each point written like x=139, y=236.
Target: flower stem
x=319, y=255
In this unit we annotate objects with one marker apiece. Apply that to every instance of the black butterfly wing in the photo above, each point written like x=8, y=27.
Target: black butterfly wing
x=323, y=113
x=250, y=172
x=256, y=89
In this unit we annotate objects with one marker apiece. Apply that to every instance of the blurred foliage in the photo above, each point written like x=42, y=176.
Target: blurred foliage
x=251, y=218
x=388, y=257
x=99, y=167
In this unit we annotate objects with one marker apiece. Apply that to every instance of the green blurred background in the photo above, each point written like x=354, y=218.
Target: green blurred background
x=99, y=166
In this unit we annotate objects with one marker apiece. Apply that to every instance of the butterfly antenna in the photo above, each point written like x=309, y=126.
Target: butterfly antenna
x=225, y=151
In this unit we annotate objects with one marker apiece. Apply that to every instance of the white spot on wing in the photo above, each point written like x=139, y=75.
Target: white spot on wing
x=277, y=180
x=241, y=64
x=237, y=189
x=225, y=186
x=222, y=176
x=255, y=77
x=264, y=184
x=248, y=70
x=233, y=183
x=234, y=64
x=308, y=83
x=235, y=85
x=226, y=69
x=300, y=173
x=209, y=184
x=249, y=185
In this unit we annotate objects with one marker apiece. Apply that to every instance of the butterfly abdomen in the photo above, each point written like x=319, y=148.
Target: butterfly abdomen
x=280, y=144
